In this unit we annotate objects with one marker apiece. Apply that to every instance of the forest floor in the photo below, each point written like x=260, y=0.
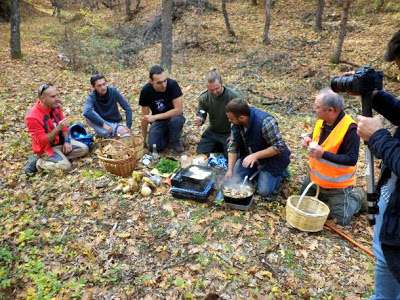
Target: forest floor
x=68, y=235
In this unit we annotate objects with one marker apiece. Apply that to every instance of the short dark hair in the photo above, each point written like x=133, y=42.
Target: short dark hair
x=238, y=107
x=393, y=48
x=96, y=77
x=155, y=70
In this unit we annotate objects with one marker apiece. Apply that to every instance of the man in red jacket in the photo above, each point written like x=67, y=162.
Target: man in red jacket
x=50, y=134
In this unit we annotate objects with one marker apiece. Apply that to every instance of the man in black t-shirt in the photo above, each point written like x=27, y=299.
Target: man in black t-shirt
x=163, y=97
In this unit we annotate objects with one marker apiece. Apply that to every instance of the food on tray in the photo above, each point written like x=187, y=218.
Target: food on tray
x=167, y=165
x=198, y=173
x=241, y=191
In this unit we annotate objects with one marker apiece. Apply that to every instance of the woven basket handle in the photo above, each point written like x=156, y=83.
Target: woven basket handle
x=117, y=136
x=305, y=192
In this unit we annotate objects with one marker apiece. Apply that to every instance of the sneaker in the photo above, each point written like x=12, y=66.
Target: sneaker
x=359, y=192
x=30, y=168
x=178, y=147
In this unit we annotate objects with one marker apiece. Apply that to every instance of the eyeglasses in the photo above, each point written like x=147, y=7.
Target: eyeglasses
x=44, y=87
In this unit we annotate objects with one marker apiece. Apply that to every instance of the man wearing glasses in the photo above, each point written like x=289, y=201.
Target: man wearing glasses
x=163, y=97
x=50, y=134
x=333, y=154
x=101, y=109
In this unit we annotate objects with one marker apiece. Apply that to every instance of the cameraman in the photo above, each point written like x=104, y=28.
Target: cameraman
x=386, y=242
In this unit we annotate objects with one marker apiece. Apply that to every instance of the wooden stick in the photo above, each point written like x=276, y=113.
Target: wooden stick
x=362, y=247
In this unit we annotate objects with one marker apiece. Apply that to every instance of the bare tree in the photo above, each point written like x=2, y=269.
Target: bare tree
x=267, y=21
x=320, y=12
x=129, y=14
x=15, y=40
x=225, y=13
x=166, y=38
x=57, y=8
x=342, y=32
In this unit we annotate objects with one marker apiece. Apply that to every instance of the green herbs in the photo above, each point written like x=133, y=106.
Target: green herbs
x=167, y=165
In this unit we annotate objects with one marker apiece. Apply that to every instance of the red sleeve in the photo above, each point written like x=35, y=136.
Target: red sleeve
x=39, y=137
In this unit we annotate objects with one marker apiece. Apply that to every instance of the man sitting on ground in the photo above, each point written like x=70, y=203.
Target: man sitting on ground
x=163, y=97
x=101, y=109
x=50, y=134
x=212, y=102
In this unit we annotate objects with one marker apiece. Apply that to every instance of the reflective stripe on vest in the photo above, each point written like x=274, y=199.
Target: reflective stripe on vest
x=328, y=174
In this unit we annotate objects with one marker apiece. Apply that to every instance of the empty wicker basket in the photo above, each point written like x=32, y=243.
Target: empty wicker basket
x=305, y=212
x=122, y=160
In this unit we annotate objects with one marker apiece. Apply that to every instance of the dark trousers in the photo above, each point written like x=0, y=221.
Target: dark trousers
x=163, y=131
x=212, y=141
x=343, y=203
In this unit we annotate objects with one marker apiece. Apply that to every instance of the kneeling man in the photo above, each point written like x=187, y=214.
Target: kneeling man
x=256, y=145
x=333, y=157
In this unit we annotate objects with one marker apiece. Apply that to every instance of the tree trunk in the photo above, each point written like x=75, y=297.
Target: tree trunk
x=15, y=40
x=119, y=5
x=254, y=2
x=320, y=12
x=267, y=21
x=342, y=32
x=129, y=14
x=166, y=39
x=225, y=13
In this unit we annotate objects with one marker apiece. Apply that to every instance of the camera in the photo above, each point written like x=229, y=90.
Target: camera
x=364, y=80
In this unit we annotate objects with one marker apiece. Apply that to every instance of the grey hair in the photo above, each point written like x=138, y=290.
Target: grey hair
x=331, y=99
x=213, y=76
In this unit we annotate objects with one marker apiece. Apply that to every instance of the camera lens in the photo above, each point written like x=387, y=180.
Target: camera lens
x=340, y=84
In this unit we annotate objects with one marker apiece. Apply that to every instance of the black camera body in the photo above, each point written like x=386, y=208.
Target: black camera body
x=363, y=81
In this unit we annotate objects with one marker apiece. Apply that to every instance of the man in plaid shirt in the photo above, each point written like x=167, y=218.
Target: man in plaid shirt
x=256, y=145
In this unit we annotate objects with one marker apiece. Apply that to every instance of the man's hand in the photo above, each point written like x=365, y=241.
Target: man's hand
x=67, y=148
x=149, y=118
x=249, y=160
x=367, y=126
x=305, y=141
x=198, y=121
x=229, y=174
x=123, y=131
x=315, y=152
x=63, y=123
x=108, y=128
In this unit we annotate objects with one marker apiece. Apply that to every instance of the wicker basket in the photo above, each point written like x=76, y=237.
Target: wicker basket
x=135, y=142
x=306, y=213
x=119, y=166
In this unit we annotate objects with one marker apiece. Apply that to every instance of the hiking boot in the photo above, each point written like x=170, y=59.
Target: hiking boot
x=359, y=192
x=178, y=147
x=30, y=168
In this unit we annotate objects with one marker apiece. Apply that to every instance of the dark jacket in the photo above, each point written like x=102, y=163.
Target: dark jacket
x=107, y=107
x=387, y=147
x=255, y=141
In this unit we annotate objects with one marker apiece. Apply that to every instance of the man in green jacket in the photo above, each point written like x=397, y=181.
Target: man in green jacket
x=212, y=102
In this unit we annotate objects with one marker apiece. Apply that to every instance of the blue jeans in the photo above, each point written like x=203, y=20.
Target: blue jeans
x=266, y=182
x=162, y=131
x=100, y=131
x=386, y=286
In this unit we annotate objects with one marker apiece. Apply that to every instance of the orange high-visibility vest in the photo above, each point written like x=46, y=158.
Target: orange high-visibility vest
x=327, y=174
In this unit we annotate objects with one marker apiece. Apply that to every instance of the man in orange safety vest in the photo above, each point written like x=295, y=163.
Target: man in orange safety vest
x=333, y=153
